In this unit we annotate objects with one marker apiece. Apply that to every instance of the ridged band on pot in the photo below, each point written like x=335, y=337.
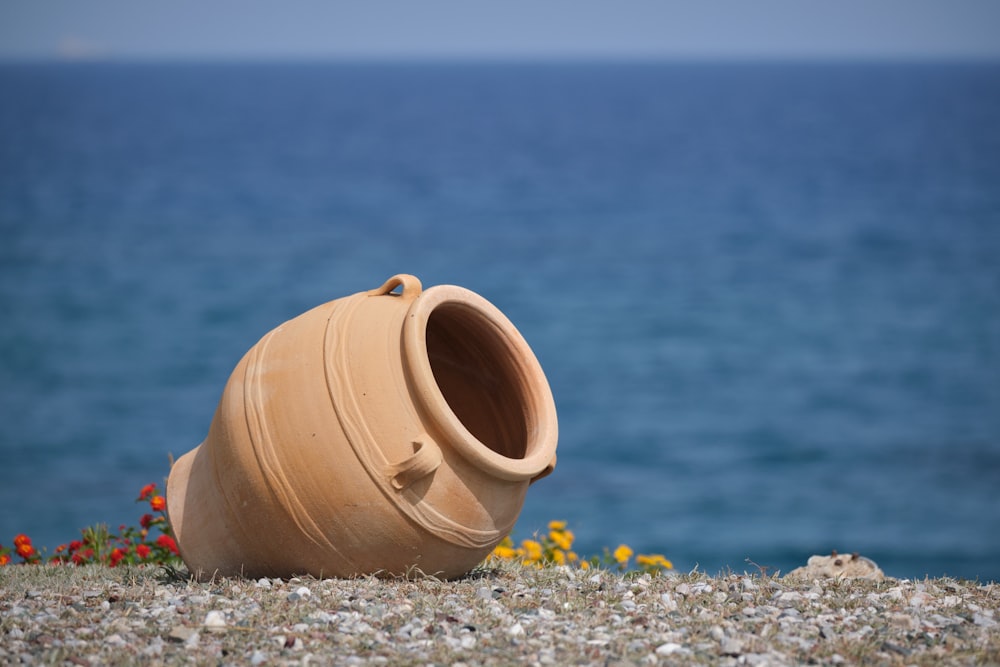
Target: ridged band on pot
x=377, y=433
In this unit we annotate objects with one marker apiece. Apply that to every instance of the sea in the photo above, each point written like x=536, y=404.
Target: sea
x=766, y=295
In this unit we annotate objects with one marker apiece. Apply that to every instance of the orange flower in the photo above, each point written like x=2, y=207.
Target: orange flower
x=116, y=556
x=22, y=539
x=158, y=503
x=25, y=550
x=147, y=491
x=4, y=559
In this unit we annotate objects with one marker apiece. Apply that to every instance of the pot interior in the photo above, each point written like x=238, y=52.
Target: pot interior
x=477, y=372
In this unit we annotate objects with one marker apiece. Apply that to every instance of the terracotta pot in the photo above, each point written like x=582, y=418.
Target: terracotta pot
x=383, y=432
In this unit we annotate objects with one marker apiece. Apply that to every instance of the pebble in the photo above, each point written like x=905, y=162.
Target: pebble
x=732, y=647
x=300, y=593
x=214, y=620
x=669, y=649
x=983, y=621
x=515, y=630
x=180, y=633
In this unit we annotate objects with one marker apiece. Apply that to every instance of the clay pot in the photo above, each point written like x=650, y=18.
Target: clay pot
x=384, y=432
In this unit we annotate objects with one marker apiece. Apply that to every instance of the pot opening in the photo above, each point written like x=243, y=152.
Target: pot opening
x=477, y=372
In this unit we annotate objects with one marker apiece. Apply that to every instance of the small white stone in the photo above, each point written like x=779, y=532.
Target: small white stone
x=263, y=582
x=789, y=597
x=668, y=602
x=983, y=621
x=668, y=649
x=515, y=630
x=114, y=640
x=258, y=658
x=214, y=619
x=154, y=648
x=732, y=647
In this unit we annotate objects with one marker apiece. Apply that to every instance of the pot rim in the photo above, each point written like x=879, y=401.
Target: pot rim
x=539, y=409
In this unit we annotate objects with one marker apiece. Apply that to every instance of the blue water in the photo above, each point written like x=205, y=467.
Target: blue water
x=766, y=297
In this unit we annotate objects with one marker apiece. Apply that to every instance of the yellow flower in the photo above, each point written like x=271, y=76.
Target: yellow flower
x=562, y=538
x=559, y=557
x=557, y=525
x=505, y=553
x=653, y=560
x=533, y=551
x=623, y=553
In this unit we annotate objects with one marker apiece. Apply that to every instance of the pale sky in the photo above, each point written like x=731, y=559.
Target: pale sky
x=507, y=29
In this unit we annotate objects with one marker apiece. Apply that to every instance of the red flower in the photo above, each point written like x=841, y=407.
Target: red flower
x=143, y=551
x=167, y=542
x=21, y=540
x=116, y=556
x=147, y=491
x=4, y=559
x=75, y=545
x=146, y=520
x=158, y=503
x=25, y=550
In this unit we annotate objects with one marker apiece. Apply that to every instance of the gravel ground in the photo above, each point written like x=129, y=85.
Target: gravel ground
x=505, y=616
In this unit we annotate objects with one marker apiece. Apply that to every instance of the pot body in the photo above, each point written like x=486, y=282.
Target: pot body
x=384, y=432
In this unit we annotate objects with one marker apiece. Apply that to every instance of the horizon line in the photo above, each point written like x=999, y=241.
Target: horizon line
x=504, y=59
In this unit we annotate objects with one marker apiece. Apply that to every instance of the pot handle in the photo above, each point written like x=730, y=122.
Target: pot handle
x=410, y=284
x=546, y=471
x=425, y=459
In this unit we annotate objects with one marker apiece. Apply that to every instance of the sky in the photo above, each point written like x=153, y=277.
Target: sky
x=507, y=29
